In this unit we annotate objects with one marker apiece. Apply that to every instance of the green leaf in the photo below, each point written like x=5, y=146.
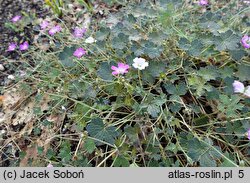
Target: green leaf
x=153, y=50
x=230, y=105
x=112, y=20
x=184, y=44
x=243, y=72
x=175, y=107
x=202, y=120
x=119, y=28
x=40, y=150
x=166, y=15
x=226, y=72
x=120, y=41
x=138, y=49
x=65, y=152
x=203, y=153
x=97, y=129
x=66, y=57
x=156, y=68
x=153, y=110
x=81, y=114
x=81, y=161
x=132, y=132
x=195, y=48
x=50, y=153
x=226, y=41
x=121, y=161
x=110, y=2
x=206, y=161
x=105, y=71
x=102, y=34
x=172, y=147
x=89, y=145
x=235, y=127
x=208, y=73
x=199, y=85
x=135, y=35
x=237, y=54
x=129, y=20
x=153, y=71
x=160, y=100
x=157, y=37
x=211, y=26
x=180, y=89
x=227, y=162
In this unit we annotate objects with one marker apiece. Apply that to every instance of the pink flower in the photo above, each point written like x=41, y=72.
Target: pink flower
x=12, y=47
x=44, y=24
x=54, y=30
x=121, y=69
x=24, y=46
x=50, y=165
x=245, y=41
x=203, y=2
x=78, y=32
x=79, y=52
x=248, y=134
x=239, y=87
x=16, y=18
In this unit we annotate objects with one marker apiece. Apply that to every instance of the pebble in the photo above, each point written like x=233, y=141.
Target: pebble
x=63, y=108
x=2, y=67
x=3, y=131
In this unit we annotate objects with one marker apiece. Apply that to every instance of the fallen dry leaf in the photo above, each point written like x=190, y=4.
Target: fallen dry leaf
x=18, y=107
x=11, y=98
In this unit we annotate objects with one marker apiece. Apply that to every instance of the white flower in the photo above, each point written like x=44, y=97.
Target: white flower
x=140, y=63
x=11, y=77
x=247, y=91
x=90, y=40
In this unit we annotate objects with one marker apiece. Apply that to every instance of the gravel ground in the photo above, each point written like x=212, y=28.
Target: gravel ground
x=8, y=9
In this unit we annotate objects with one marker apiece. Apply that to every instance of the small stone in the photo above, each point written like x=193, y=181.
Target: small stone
x=1, y=67
x=101, y=12
x=63, y=108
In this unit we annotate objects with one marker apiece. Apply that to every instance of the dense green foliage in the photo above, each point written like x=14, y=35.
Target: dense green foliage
x=179, y=111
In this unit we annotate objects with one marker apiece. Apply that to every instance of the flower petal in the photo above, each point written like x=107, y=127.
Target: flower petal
x=115, y=73
x=24, y=46
x=16, y=18
x=247, y=91
x=114, y=68
x=12, y=46
x=248, y=134
x=245, y=41
x=44, y=24
x=238, y=87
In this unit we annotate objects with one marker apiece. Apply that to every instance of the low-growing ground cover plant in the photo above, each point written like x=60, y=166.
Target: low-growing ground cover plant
x=56, y=6
x=154, y=83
